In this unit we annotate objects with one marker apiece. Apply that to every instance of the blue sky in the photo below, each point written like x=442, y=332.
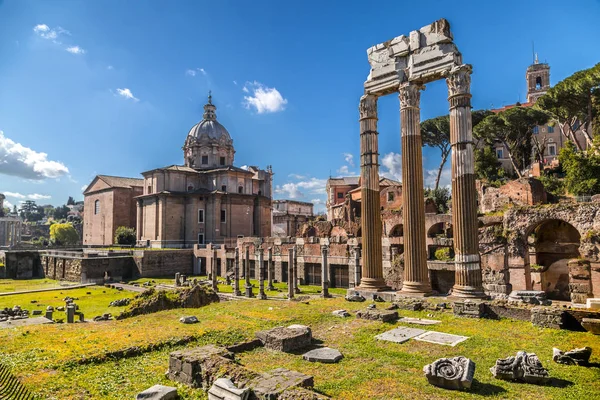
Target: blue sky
x=113, y=87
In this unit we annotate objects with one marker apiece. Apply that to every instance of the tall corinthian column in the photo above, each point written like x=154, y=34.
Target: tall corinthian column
x=416, y=276
x=372, y=269
x=467, y=282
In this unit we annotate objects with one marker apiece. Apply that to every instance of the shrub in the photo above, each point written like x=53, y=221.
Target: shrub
x=63, y=234
x=125, y=236
x=443, y=254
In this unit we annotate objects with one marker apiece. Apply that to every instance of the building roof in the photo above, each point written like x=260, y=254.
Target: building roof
x=344, y=180
x=293, y=201
x=116, y=182
x=497, y=110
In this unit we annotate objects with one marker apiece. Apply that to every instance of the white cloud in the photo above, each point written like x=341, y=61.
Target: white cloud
x=297, y=176
x=193, y=72
x=33, y=196
x=8, y=204
x=202, y=70
x=83, y=188
x=15, y=195
x=190, y=72
x=75, y=50
x=296, y=190
x=110, y=68
x=393, y=163
x=127, y=94
x=37, y=196
x=349, y=158
x=45, y=32
x=21, y=161
x=263, y=99
x=317, y=201
x=235, y=83
x=343, y=170
x=430, y=175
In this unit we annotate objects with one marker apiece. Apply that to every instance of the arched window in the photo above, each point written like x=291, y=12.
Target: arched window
x=538, y=82
x=240, y=189
x=97, y=207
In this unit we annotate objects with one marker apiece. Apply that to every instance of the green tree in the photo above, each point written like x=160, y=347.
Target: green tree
x=125, y=236
x=441, y=198
x=574, y=103
x=582, y=168
x=513, y=128
x=487, y=166
x=71, y=201
x=435, y=132
x=63, y=234
x=61, y=212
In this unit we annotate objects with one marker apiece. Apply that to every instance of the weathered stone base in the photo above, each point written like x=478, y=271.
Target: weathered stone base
x=378, y=315
x=451, y=373
x=292, y=338
x=386, y=295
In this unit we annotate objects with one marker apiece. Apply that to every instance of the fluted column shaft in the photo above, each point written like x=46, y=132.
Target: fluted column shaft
x=261, y=275
x=325, y=272
x=468, y=281
x=357, y=268
x=416, y=276
x=290, y=281
x=295, y=280
x=270, y=269
x=236, y=272
x=372, y=268
x=249, y=292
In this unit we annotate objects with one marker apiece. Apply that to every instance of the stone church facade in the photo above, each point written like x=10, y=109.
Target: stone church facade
x=206, y=200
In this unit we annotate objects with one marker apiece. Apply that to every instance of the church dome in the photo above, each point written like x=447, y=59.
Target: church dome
x=209, y=126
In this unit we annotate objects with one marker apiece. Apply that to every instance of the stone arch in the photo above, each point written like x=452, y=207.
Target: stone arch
x=397, y=231
x=550, y=244
x=440, y=228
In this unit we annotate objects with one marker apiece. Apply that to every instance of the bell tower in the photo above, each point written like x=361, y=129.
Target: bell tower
x=538, y=80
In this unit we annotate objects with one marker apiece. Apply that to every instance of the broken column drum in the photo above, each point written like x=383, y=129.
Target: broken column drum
x=404, y=65
x=372, y=268
x=416, y=275
x=468, y=279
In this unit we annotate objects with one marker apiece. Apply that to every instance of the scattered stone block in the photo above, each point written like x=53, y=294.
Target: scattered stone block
x=419, y=321
x=224, y=389
x=591, y=325
x=298, y=393
x=441, y=338
x=189, y=320
x=245, y=346
x=400, y=335
x=355, y=297
x=36, y=312
x=451, y=373
x=523, y=367
x=594, y=304
x=288, y=339
x=469, y=309
x=187, y=366
x=341, y=313
x=409, y=304
x=271, y=384
x=378, y=315
x=536, y=297
x=573, y=357
x=323, y=355
x=158, y=392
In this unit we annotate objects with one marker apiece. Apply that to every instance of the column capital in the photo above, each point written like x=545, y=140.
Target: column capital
x=367, y=107
x=409, y=94
x=459, y=81
x=324, y=247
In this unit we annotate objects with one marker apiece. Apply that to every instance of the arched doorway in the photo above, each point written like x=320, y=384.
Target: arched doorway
x=552, y=243
x=397, y=231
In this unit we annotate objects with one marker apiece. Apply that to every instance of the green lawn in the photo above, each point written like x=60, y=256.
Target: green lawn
x=17, y=285
x=224, y=288
x=45, y=357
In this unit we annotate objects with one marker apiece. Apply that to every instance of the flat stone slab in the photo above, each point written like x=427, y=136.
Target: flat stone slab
x=341, y=313
x=224, y=389
x=158, y=392
x=441, y=338
x=323, y=355
x=271, y=384
x=189, y=320
x=400, y=335
x=591, y=325
x=572, y=357
x=25, y=322
x=419, y=321
x=594, y=304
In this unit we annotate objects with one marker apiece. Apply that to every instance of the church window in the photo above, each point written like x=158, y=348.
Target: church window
x=201, y=238
x=204, y=160
x=536, y=130
x=190, y=188
x=200, y=216
x=500, y=153
x=222, y=160
x=240, y=189
x=223, y=216
x=538, y=82
x=550, y=129
x=97, y=207
x=149, y=188
x=390, y=197
x=576, y=125
x=340, y=195
x=552, y=149
x=224, y=188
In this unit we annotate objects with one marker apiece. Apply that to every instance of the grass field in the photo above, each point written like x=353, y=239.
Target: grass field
x=17, y=285
x=46, y=358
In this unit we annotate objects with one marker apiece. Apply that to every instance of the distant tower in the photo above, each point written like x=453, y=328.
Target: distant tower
x=538, y=80
x=1, y=201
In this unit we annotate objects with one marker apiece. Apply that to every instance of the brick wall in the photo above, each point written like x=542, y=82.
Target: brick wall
x=155, y=263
